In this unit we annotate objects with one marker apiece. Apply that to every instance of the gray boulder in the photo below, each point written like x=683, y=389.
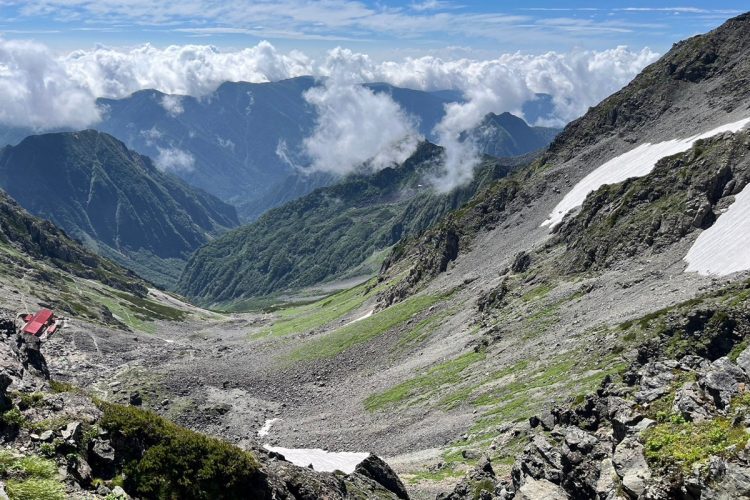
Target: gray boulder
x=722, y=381
x=623, y=416
x=656, y=379
x=631, y=466
x=379, y=471
x=744, y=361
x=606, y=485
x=102, y=458
x=72, y=433
x=689, y=402
x=730, y=481
x=118, y=492
x=540, y=489
x=81, y=470
x=540, y=460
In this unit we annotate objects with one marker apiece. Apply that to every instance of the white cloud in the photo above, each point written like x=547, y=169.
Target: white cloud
x=433, y=5
x=225, y=143
x=172, y=104
x=174, y=160
x=356, y=126
x=41, y=90
x=576, y=81
x=179, y=69
x=36, y=92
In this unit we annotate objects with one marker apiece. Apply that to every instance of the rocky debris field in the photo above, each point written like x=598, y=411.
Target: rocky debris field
x=60, y=442
x=674, y=425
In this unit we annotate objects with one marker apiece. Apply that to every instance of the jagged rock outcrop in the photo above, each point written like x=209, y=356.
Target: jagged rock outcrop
x=646, y=215
x=40, y=239
x=675, y=425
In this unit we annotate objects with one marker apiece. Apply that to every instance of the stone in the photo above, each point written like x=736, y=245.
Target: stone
x=118, y=492
x=103, y=490
x=623, y=416
x=46, y=436
x=376, y=469
x=135, y=399
x=606, y=484
x=631, y=466
x=102, y=458
x=656, y=379
x=722, y=381
x=733, y=482
x=521, y=262
x=3, y=494
x=72, y=432
x=81, y=470
x=540, y=460
x=546, y=420
x=579, y=440
x=540, y=489
x=689, y=402
x=642, y=426
x=743, y=361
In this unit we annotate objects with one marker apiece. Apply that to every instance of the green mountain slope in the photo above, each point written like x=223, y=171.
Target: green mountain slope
x=699, y=79
x=327, y=233
x=506, y=135
x=113, y=199
x=24, y=237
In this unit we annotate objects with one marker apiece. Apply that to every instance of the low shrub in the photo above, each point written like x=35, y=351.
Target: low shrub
x=166, y=461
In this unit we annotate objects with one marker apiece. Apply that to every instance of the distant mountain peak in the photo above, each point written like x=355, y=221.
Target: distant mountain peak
x=112, y=198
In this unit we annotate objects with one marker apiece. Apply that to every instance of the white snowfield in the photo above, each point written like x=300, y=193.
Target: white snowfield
x=724, y=248
x=321, y=460
x=635, y=163
x=266, y=429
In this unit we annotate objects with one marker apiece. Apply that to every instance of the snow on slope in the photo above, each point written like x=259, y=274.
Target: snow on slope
x=635, y=163
x=724, y=248
x=321, y=460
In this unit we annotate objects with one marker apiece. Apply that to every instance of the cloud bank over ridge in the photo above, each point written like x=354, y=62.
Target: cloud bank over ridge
x=41, y=89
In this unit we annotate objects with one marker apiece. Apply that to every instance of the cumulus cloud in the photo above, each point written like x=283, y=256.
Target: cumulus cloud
x=36, y=92
x=172, y=104
x=42, y=90
x=575, y=80
x=179, y=69
x=174, y=160
x=357, y=128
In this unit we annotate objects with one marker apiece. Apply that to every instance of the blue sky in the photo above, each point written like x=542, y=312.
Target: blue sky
x=382, y=28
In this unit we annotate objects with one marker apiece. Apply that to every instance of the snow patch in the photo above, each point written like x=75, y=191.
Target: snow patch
x=267, y=427
x=321, y=460
x=724, y=248
x=635, y=163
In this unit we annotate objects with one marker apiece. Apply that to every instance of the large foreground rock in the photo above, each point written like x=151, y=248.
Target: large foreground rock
x=379, y=471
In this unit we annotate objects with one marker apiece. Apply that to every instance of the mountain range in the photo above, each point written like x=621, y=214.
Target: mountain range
x=332, y=232
x=113, y=200
x=243, y=142
x=574, y=324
